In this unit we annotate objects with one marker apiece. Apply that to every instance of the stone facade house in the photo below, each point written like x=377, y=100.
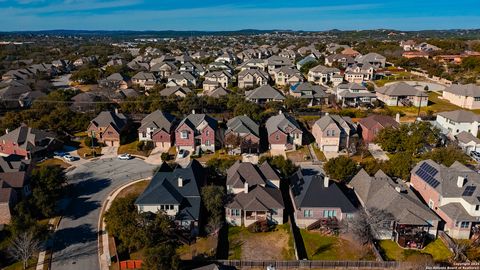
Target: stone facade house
x=284, y=132
x=334, y=133
x=108, y=128
x=158, y=127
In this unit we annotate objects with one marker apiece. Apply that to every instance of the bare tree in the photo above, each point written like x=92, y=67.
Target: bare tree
x=366, y=223
x=459, y=250
x=24, y=247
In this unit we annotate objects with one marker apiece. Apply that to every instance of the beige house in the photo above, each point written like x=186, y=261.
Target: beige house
x=333, y=132
x=466, y=96
x=250, y=78
x=215, y=79
x=287, y=76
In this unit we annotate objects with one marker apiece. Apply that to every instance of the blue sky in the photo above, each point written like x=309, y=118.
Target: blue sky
x=234, y=15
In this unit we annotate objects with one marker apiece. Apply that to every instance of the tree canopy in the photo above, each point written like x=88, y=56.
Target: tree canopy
x=341, y=168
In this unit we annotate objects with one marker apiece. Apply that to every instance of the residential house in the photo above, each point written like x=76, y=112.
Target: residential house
x=334, y=133
x=318, y=200
x=108, y=127
x=454, y=122
x=374, y=59
x=196, y=132
x=179, y=91
x=415, y=54
x=358, y=73
x=354, y=94
x=342, y=60
x=275, y=62
x=408, y=45
x=287, y=76
x=177, y=194
x=264, y=94
x=215, y=79
x=316, y=94
x=467, y=142
x=370, y=126
x=163, y=69
x=350, y=52
x=247, y=132
x=250, y=78
x=184, y=79
x=11, y=92
x=308, y=59
x=144, y=79
x=216, y=66
x=253, y=63
x=322, y=74
x=466, y=96
x=425, y=47
x=408, y=222
x=452, y=193
x=254, y=194
x=402, y=94
x=115, y=81
x=284, y=132
x=158, y=127
x=217, y=92
x=30, y=143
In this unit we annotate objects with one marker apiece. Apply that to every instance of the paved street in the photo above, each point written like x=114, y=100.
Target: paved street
x=75, y=244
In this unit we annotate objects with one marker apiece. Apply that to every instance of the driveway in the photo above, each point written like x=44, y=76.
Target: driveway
x=377, y=152
x=109, y=151
x=155, y=156
x=330, y=154
x=75, y=241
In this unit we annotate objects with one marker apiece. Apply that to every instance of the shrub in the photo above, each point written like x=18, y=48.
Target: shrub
x=140, y=145
x=165, y=157
x=88, y=141
x=259, y=226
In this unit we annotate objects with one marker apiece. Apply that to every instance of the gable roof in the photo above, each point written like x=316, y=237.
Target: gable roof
x=27, y=138
x=245, y=172
x=401, y=89
x=258, y=199
x=264, y=92
x=174, y=89
x=106, y=118
x=164, y=189
x=381, y=192
x=158, y=120
x=194, y=121
x=374, y=119
x=318, y=91
x=281, y=122
x=341, y=122
x=244, y=125
x=217, y=92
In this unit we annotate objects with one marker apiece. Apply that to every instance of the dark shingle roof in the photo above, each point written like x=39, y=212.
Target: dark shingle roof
x=158, y=120
x=105, y=118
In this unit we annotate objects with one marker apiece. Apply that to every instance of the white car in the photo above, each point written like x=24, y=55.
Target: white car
x=69, y=158
x=182, y=153
x=125, y=156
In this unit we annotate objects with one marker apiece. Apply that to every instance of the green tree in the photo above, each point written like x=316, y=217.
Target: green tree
x=447, y=155
x=47, y=187
x=294, y=104
x=285, y=166
x=213, y=197
x=161, y=257
x=341, y=168
x=307, y=66
x=400, y=165
x=86, y=75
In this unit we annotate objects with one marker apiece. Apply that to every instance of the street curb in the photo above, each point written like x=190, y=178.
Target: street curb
x=102, y=233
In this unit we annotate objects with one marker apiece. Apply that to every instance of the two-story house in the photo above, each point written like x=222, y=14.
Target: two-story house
x=250, y=78
x=452, y=193
x=254, y=194
x=354, y=94
x=466, y=96
x=454, y=122
x=158, y=127
x=287, y=76
x=408, y=221
x=28, y=142
x=196, y=132
x=175, y=193
x=374, y=59
x=333, y=133
x=146, y=80
x=246, y=134
x=370, y=126
x=315, y=199
x=108, y=127
x=284, y=132
x=322, y=74
x=215, y=79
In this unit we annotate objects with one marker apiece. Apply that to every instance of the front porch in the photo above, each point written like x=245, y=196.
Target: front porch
x=411, y=236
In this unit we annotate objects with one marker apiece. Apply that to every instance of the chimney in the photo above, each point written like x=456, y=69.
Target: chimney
x=245, y=187
x=460, y=181
x=7, y=131
x=280, y=112
x=326, y=113
x=326, y=181
x=116, y=110
x=397, y=117
x=180, y=182
x=193, y=111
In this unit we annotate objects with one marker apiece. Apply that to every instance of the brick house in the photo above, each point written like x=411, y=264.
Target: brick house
x=196, y=132
x=284, y=132
x=28, y=142
x=159, y=128
x=254, y=194
x=333, y=133
x=370, y=126
x=108, y=128
x=248, y=132
x=315, y=199
x=452, y=192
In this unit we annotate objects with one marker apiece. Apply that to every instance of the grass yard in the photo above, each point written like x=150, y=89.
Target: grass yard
x=135, y=189
x=131, y=148
x=218, y=154
x=322, y=247
x=204, y=247
x=393, y=252
x=273, y=245
x=86, y=152
x=54, y=162
x=300, y=155
x=320, y=155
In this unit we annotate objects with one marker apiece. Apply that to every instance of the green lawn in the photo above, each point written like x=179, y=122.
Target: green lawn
x=318, y=153
x=393, y=252
x=131, y=148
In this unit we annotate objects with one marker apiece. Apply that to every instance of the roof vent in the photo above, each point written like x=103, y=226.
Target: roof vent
x=326, y=181
x=461, y=181
x=180, y=181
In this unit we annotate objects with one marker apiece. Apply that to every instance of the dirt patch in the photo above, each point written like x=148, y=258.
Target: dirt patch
x=266, y=246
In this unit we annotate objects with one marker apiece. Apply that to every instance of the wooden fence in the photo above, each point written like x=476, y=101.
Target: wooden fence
x=306, y=264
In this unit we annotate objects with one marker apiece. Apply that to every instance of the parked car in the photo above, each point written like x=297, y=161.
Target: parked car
x=182, y=153
x=475, y=155
x=125, y=156
x=69, y=158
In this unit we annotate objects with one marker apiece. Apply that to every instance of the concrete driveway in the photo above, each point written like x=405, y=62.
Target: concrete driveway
x=155, y=156
x=377, y=152
x=109, y=151
x=75, y=241
x=330, y=154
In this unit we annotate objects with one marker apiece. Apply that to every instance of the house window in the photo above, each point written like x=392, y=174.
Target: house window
x=333, y=133
x=184, y=134
x=329, y=213
x=307, y=213
x=144, y=134
x=477, y=98
x=464, y=224
x=328, y=132
x=207, y=142
x=277, y=137
x=477, y=207
x=349, y=216
x=235, y=212
x=207, y=133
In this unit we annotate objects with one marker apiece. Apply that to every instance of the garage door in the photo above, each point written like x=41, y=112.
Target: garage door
x=330, y=148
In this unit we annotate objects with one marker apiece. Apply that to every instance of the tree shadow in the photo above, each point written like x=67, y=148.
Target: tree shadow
x=81, y=207
x=322, y=249
x=90, y=186
x=64, y=239
x=223, y=245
